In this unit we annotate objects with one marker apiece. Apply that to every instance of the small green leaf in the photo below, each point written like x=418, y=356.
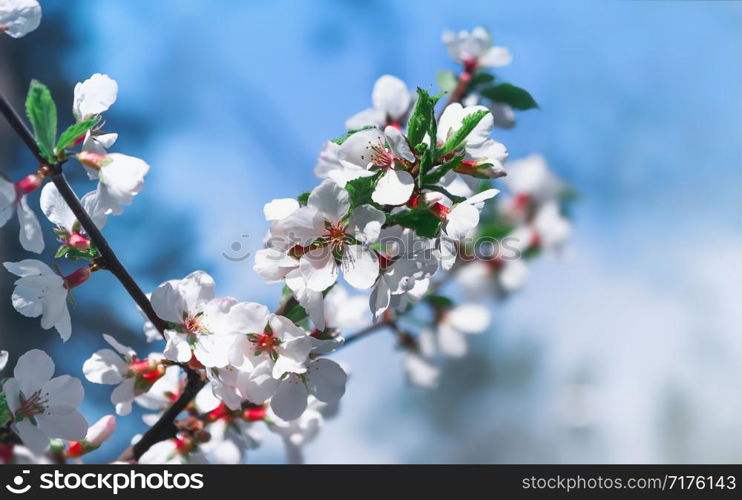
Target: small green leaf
x=42, y=113
x=73, y=132
x=479, y=78
x=510, y=94
x=447, y=81
x=360, y=191
x=62, y=252
x=340, y=140
x=496, y=229
x=436, y=175
x=422, y=117
x=422, y=221
x=5, y=413
x=303, y=198
x=296, y=314
x=467, y=125
x=439, y=302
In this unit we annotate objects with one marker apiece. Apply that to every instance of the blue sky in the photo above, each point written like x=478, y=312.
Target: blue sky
x=640, y=112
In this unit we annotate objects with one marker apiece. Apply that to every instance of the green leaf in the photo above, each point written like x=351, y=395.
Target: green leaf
x=479, y=78
x=440, y=189
x=467, y=125
x=496, y=229
x=510, y=94
x=439, y=302
x=436, y=175
x=73, y=132
x=422, y=117
x=447, y=81
x=5, y=413
x=42, y=113
x=303, y=198
x=62, y=252
x=296, y=314
x=421, y=220
x=340, y=140
x=360, y=191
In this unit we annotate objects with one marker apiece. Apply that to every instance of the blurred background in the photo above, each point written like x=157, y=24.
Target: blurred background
x=631, y=351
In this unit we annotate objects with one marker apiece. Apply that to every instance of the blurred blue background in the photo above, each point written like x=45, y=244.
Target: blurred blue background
x=629, y=352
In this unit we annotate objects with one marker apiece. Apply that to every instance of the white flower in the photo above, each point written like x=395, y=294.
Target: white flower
x=196, y=319
x=121, y=367
x=42, y=292
x=232, y=433
x=324, y=379
x=343, y=311
x=407, y=262
x=97, y=434
x=19, y=17
x=420, y=371
x=162, y=393
x=453, y=326
x=498, y=276
x=94, y=96
x=484, y=156
x=463, y=218
x=326, y=234
x=369, y=152
x=120, y=178
x=548, y=230
x=298, y=432
x=68, y=230
x=44, y=407
x=13, y=199
x=3, y=359
x=176, y=451
x=530, y=181
x=475, y=49
x=391, y=103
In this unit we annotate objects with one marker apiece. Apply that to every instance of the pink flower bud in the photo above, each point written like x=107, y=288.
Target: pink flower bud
x=76, y=278
x=29, y=184
x=98, y=433
x=91, y=159
x=78, y=241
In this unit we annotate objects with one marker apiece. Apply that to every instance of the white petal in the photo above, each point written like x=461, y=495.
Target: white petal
x=398, y=144
x=290, y=399
x=495, y=57
x=8, y=198
x=71, y=426
x=120, y=181
x=330, y=200
x=318, y=268
x=259, y=385
x=302, y=227
x=31, y=237
x=3, y=359
x=280, y=208
x=65, y=394
x=28, y=267
x=513, y=275
x=390, y=95
x=368, y=117
x=394, y=188
x=360, y=266
x=19, y=17
x=470, y=318
x=55, y=208
x=365, y=223
x=249, y=317
x=33, y=370
x=452, y=341
x=33, y=438
x=104, y=367
x=123, y=395
x=94, y=96
x=177, y=347
x=326, y=380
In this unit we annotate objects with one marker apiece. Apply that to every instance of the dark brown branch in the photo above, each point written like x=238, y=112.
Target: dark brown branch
x=20, y=128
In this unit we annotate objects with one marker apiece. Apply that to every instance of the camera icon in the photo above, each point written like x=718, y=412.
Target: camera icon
x=17, y=488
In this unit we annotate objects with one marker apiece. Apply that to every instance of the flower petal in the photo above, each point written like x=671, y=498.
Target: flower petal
x=394, y=188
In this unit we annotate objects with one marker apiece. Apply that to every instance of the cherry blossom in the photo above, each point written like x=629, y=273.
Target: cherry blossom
x=120, y=178
x=42, y=292
x=13, y=200
x=122, y=367
x=324, y=235
x=369, y=152
x=43, y=407
x=19, y=17
x=94, y=96
x=391, y=103
x=68, y=228
x=298, y=432
x=474, y=49
x=195, y=320
x=182, y=449
x=453, y=326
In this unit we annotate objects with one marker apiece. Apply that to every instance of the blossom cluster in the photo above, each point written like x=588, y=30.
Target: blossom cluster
x=404, y=201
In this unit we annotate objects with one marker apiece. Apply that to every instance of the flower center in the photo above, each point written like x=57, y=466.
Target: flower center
x=335, y=235
x=381, y=156
x=35, y=405
x=265, y=342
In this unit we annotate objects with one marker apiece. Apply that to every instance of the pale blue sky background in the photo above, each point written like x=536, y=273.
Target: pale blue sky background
x=638, y=335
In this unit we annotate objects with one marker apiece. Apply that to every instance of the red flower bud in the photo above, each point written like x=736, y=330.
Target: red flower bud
x=76, y=278
x=78, y=242
x=29, y=184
